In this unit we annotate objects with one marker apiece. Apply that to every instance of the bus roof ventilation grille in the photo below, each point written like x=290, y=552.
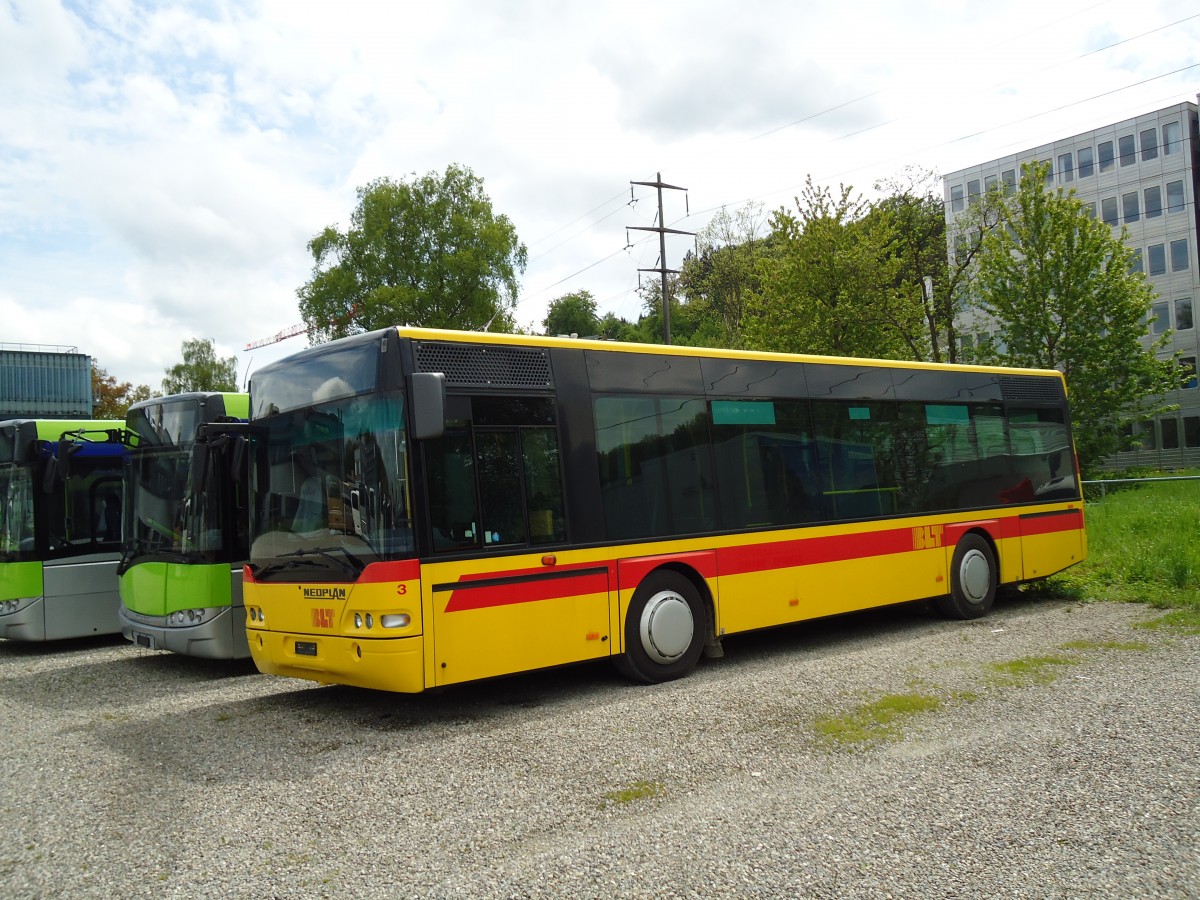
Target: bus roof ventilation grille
x=1018, y=389
x=488, y=366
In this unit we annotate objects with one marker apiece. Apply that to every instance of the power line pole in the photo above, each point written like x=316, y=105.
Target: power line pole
x=663, y=231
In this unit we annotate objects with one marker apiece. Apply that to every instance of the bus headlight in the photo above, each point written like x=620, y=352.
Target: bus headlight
x=395, y=620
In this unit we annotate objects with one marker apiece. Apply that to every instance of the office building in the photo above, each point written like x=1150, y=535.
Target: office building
x=1141, y=174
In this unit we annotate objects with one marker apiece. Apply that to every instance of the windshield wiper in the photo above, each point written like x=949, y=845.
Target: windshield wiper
x=271, y=568
x=348, y=564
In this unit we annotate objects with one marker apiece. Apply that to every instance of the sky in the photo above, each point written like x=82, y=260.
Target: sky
x=164, y=165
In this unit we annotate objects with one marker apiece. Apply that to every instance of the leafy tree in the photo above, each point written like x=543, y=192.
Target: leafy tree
x=826, y=286
x=572, y=314
x=719, y=277
x=1063, y=295
x=113, y=398
x=201, y=370
x=429, y=252
x=909, y=222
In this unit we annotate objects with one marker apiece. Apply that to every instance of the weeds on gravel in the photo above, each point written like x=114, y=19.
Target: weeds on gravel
x=1028, y=670
x=639, y=790
x=874, y=723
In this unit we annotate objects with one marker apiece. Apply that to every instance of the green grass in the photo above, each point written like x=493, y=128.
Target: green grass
x=639, y=790
x=876, y=722
x=1143, y=547
x=1028, y=670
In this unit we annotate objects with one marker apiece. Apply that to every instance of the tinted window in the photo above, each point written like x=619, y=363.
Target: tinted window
x=1160, y=317
x=1129, y=203
x=766, y=464
x=1108, y=211
x=1065, y=168
x=1191, y=431
x=1174, y=196
x=1128, y=149
x=1085, y=162
x=1156, y=257
x=1153, y=197
x=1170, y=433
x=856, y=456
x=655, y=470
x=1149, y=144
x=1041, y=454
x=956, y=198
x=1172, y=138
x=1179, y=255
x=1105, y=151
x=1183, y=313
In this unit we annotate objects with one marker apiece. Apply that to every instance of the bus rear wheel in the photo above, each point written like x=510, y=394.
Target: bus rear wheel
x=973, y=580
x=664, y=629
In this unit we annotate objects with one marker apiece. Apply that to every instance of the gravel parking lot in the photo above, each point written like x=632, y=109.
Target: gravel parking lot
x=1061, y=762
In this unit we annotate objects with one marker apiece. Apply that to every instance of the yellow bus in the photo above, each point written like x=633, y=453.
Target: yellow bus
x=434, y=507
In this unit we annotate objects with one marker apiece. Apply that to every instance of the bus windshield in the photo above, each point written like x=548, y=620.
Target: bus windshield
x=16, y=513
x=330, y=488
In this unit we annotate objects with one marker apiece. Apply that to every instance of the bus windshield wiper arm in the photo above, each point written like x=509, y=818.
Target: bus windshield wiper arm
x=348, y=561
x=270, y=568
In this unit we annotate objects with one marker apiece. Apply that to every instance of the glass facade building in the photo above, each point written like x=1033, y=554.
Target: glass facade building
x=44, y=382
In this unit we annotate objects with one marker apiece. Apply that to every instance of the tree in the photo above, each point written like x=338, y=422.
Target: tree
x=1063, y=294
x=719, y=277
x=826, y=284
x=910, y=223
x=427, y=252
x=572, y=314
x=113, y=398
x=201, y=370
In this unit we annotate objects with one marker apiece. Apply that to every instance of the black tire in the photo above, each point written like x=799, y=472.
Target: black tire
x=665, y=628
x=973, y=580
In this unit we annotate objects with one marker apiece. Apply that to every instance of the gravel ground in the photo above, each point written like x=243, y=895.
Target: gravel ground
x=131, y=773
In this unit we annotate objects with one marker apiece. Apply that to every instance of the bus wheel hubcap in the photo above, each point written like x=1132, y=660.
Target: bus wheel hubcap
x=666, y=627
x=975, y=576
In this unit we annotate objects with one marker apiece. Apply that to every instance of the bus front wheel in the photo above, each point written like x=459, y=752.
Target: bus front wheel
x=973, y=580
x=664, y=629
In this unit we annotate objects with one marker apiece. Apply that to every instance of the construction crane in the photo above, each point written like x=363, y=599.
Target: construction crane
x=277, y=337
x=299, y=329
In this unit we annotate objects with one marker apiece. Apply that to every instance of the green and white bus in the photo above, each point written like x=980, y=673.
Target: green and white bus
x=185, y=526
x=60, y=527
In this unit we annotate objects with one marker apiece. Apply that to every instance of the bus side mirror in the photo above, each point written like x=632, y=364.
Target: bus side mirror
x=428, y=414
x=58, y=465
x=199, y=473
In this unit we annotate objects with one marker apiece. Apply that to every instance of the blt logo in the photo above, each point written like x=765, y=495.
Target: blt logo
x=322, y=618
x=927, y=537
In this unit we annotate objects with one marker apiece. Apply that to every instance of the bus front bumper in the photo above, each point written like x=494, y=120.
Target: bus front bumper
x=221, y=637
x=389, y=664
x=23, y=619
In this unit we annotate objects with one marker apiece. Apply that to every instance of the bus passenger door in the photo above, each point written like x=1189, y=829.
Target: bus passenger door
x=505, y=597
x=495, y=617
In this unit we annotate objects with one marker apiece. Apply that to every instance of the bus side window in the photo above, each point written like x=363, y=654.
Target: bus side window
x=499, y=488
x=453, y=510
x=543, y=485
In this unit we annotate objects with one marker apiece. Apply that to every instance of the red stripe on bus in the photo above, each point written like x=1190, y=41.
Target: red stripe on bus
x=526, y=590
x=632, y=571
x=811, y=551
x=1069, y=520
x=394, y=570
